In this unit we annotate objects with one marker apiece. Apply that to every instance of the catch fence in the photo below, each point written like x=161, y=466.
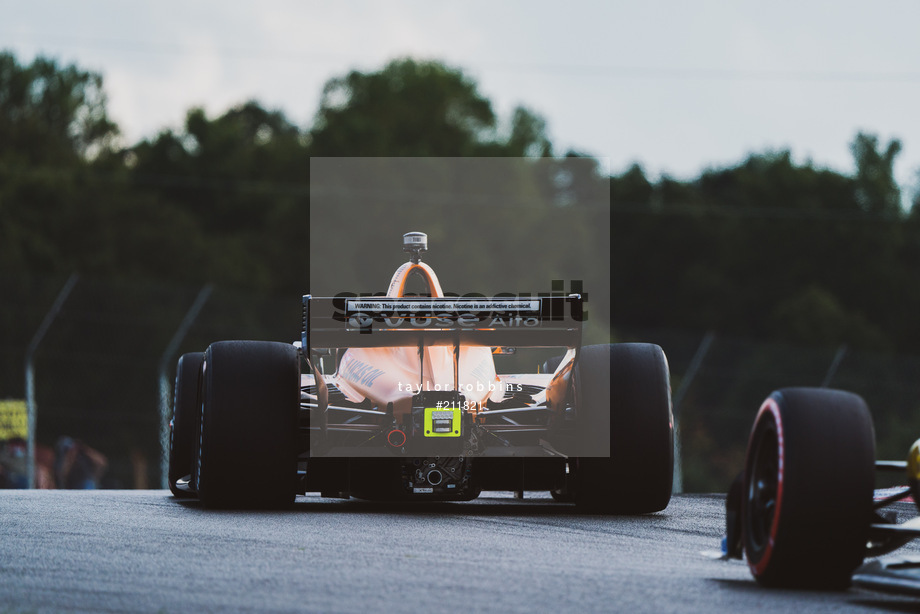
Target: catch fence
x=98, y=371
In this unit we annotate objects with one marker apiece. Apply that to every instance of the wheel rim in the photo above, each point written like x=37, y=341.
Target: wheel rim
x=763, y=487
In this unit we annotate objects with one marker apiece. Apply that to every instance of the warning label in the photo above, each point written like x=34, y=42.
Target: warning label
x=448, y=306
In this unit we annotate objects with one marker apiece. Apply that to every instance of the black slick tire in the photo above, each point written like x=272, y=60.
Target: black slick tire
x=808, y=486
x=246, y=453
x=184, y=422
x=623, y=392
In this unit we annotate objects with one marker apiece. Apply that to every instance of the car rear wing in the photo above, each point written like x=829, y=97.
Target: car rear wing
x=352, y=321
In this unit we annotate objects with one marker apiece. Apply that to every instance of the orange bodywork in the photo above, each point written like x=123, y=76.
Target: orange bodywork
x=394, y=374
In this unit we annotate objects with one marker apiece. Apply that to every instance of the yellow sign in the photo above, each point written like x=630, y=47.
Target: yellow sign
x=14, y=420
x=913, y=462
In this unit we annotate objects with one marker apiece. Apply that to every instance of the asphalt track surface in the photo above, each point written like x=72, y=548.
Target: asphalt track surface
x=143, y=551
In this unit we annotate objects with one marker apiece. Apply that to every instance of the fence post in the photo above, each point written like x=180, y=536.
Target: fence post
x=678, y=400
x=835, y=364
x=165, y=360
x=31, y=406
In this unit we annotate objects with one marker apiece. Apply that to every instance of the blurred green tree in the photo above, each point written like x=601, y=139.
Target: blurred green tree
x=764, y=247
x=53, y=125
x=418, y=108
x=242, y=176
x=51, y=113
x=877, y=191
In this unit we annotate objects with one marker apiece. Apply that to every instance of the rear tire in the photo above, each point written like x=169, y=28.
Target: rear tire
x=808, y=486
x=246, y=452
x=184, y=422
x=623, y=391
x=550, y=364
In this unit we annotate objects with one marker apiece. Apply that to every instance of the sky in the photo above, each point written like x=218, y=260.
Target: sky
x=675, y=86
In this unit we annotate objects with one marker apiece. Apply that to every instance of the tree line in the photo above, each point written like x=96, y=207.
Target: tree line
x=765, y=248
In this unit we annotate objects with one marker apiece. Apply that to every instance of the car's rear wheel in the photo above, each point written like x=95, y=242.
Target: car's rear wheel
x=623, y=393
x=184, y=423
x=807, y=490
x=246, y=452
x=550, y=364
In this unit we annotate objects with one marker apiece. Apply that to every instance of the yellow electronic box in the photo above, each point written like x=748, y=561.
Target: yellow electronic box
x=442, y=422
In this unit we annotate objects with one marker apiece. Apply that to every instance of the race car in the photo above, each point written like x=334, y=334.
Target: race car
x=404, y=396
x=805, y=512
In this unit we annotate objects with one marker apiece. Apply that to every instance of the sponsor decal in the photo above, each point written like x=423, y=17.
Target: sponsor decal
x=358, y=372
x=365, y=320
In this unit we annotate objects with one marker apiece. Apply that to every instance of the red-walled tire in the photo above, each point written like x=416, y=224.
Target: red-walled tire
x=808, y=486
x=184, y=422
